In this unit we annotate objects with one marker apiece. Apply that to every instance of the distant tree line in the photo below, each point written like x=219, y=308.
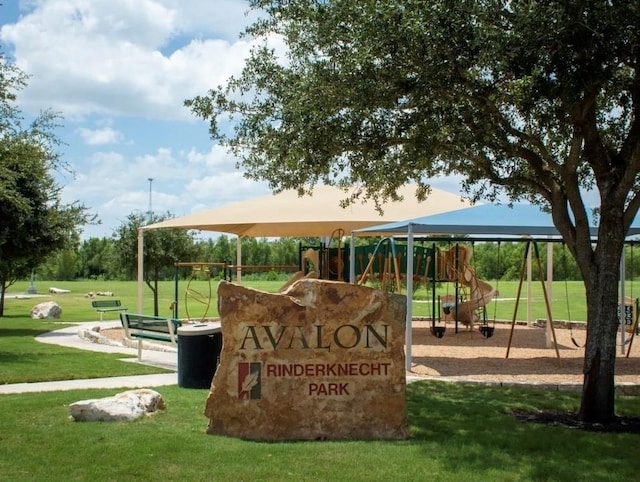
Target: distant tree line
x=101, y=258
x=114, y=258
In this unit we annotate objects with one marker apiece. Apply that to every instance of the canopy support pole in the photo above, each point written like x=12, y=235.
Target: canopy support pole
x=140, y=269
x=239, y=259
x=352, y=259
x=409, y=318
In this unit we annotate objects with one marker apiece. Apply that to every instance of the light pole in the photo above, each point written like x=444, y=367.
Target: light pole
x=150, y=212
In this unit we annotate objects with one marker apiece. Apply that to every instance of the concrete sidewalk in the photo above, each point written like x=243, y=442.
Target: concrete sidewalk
x=69, y=337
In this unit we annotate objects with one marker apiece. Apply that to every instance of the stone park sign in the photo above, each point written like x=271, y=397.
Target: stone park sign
x=322, y=361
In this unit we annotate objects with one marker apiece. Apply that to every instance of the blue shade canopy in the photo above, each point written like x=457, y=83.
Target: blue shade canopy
x=485, y=219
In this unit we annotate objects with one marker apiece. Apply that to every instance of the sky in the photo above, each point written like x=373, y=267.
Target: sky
x=118, y=72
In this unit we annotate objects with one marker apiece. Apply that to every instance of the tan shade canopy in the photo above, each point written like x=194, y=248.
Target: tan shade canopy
x=288, y=215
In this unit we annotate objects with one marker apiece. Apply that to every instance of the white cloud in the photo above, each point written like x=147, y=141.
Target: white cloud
x=230, y=186
x=222, y=18
x=98, y=137
x=217, y=157
x=124, y=57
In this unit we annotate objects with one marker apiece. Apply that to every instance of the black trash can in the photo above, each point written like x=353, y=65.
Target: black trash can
x=199, y=348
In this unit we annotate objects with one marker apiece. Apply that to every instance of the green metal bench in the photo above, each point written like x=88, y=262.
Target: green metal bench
x=104, y=306
x=139, y=327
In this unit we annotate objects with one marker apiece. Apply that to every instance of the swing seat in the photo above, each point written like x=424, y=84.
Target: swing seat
x=487, y=331
x=438, y=331
x=447, y=306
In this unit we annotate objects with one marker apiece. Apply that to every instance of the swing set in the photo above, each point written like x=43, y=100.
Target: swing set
x=528, y=245
x=629, y=319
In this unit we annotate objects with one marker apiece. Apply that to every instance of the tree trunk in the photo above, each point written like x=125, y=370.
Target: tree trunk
x=598, y=391
x=156, y=310
x=3, y=288
x=153, y=286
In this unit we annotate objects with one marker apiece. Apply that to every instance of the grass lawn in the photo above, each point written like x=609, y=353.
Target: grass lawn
x=458, y=433
x=567, y=299
x=23, y=359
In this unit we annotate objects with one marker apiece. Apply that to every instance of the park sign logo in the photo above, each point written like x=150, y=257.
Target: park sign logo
x=249, y=381
x=323, y=360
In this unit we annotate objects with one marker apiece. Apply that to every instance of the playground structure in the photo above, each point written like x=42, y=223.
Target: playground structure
x=193, y=296
x=384, y=266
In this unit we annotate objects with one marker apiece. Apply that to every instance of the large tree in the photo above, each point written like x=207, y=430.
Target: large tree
x=34, y=223
x=537, y=101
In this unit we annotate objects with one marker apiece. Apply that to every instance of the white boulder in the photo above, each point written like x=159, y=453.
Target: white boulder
x=48, y=309
x=58, y=290
x=122, y=407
